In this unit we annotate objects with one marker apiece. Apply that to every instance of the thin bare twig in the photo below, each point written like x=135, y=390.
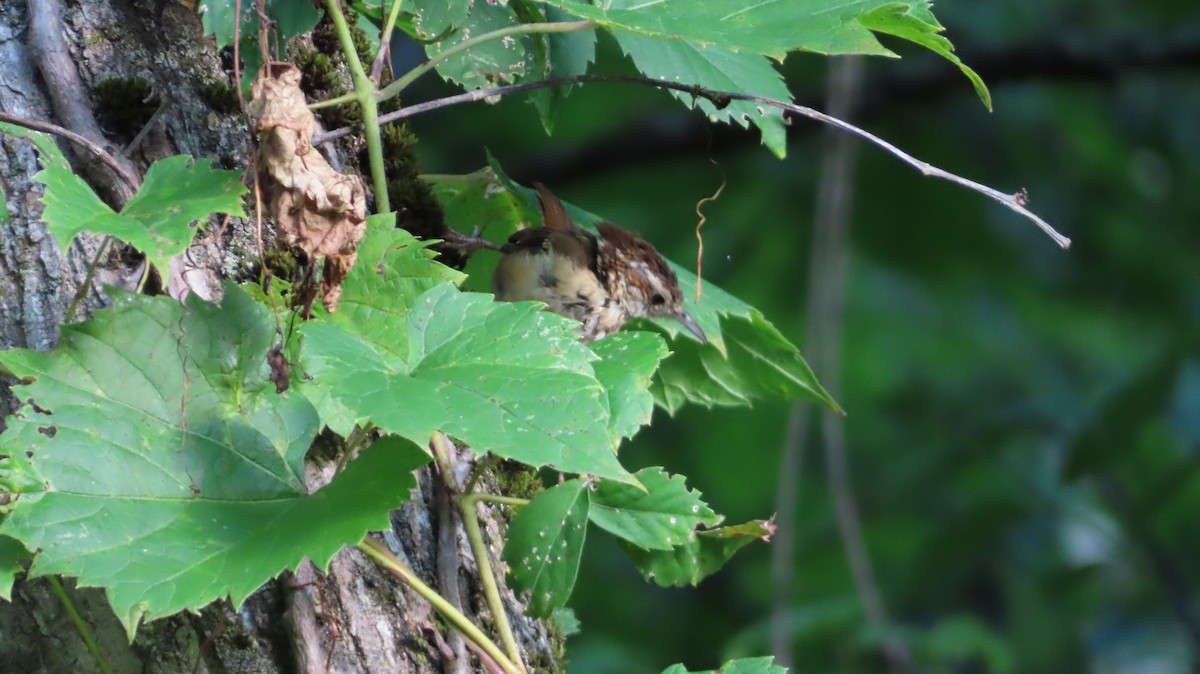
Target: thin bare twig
x=82, y=290
x=385, y=43
x=145, y=130
x=100, y=153
x=467, y=242
x=1016, y=201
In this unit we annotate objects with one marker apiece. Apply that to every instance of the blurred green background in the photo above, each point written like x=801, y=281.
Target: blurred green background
x=1024, y=422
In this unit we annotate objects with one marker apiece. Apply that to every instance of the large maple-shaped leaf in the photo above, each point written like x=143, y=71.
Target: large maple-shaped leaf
x=775, y=28
x=170, y=471
x=176, y=192
x=505, y=378
x=393, y=269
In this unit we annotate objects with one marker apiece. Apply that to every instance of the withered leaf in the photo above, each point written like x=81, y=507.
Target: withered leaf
x=316, y=208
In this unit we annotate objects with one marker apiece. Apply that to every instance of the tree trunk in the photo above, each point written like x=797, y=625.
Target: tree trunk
x=356, y=618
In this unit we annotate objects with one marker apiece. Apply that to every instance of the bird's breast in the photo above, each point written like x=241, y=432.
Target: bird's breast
x=567, y=288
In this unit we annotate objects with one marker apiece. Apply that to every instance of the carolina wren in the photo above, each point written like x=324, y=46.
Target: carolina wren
x=601, y=280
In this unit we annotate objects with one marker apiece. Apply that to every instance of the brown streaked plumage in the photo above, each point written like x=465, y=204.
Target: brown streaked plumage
x=601, y=280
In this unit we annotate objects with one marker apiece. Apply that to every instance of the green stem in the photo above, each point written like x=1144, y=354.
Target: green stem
x=84, y=287
x=386, y=39
x=477, y=472
x=378, y=552
x=502, y=500
x=364, y=93
x=487, y=577
x=441, y=454
x=80, y=626
x=340, y=100
x=357, y=438
x=411, y=76
x=491, y=593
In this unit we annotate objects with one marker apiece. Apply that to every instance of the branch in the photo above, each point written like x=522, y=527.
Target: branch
x=100, y=153
x=720, y=99
x=917, y=80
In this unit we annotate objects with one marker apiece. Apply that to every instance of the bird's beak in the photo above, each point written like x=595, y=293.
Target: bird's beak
x=692, y=326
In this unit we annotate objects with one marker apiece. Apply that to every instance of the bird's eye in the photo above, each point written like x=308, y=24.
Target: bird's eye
x=657, y=299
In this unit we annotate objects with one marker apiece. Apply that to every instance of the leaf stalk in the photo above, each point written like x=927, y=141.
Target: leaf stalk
x=364, y=94
x=384, y=557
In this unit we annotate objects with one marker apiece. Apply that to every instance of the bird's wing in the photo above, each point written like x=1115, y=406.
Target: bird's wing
x=577, y=245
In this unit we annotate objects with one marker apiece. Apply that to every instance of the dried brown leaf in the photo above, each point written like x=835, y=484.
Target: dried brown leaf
x=316, y=208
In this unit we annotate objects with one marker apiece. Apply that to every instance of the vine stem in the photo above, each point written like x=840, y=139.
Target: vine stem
x=411, y=76
x=385, y=42
x=99, y=152
x=487, y=577
x=84, y=287
x=364, y=94
x=1015, y=202
x=384, y=557
x=502, y=500
x=80, y=626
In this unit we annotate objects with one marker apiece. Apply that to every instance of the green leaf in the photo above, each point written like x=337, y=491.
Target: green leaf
x=714, y=67
x=761, y=665
x=566, y=55
x=626, y=367
x=660, y=517
x=434, y=17
x=505, y=378
x=916, y=23
x=700, y=557
x=173, y=472
x=13, y=556
x=544, y=545
x=393, y=269
x=488, y=64
x=176, y=192
x=752, y=360
x=769, y=28
x=775, y=28
x=70, y=204
x=291, y=18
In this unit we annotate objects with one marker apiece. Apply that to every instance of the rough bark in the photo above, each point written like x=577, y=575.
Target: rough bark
x=356, y=617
